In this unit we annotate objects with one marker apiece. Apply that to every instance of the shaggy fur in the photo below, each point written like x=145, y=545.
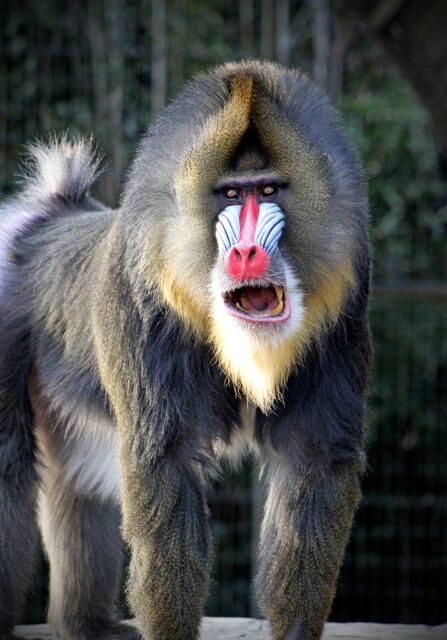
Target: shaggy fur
x=123, y=379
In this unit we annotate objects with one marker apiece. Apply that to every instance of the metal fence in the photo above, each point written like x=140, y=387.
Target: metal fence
x=396, y=565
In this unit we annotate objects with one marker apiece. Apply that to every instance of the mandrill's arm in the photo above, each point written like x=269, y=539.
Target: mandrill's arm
x=313, y=451
x=149, y=376
x=306, y=526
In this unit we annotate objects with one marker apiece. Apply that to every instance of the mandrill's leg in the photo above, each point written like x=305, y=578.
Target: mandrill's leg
x=18, y=481
x=154, y=380
x=82, y=539
x=18, y=531
x=166, y=526
x=306, y=525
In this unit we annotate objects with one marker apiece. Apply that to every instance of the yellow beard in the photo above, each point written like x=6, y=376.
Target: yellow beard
x=258, y=359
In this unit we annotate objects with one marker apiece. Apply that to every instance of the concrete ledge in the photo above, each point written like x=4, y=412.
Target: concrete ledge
x=250, y=629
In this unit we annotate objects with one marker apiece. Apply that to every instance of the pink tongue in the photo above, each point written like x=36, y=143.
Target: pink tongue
x=258, y=299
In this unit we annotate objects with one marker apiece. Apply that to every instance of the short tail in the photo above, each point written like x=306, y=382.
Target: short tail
x=56, y=176
x=62, y=169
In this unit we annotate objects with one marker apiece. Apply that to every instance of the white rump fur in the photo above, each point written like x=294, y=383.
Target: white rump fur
x=62, y=169
x=91, y=459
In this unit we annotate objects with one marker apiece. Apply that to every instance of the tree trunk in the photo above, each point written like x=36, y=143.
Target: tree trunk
x=115, y=95
x=95, y=33
x=158, y=49
x=246, y=28
x=97, y=46
x=343, y=31
x=321, y=27
x=282, y=31
x=413, y=32
x=179, y=25
x=267, y=28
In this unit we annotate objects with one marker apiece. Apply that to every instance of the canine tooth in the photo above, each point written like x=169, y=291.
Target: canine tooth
x=241, y=308
x=278, y=309
x=279, y=293
x=243, y=301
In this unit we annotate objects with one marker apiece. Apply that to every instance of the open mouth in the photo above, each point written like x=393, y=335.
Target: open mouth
x=258, y=304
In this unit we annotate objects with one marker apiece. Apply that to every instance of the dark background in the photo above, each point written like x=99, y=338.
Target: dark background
x=108, y=66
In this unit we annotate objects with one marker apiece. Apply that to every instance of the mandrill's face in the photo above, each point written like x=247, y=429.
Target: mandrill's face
x=248, y=231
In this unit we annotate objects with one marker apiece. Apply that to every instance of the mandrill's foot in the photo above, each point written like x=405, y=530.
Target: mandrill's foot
x=13, y=636
x=118, y=632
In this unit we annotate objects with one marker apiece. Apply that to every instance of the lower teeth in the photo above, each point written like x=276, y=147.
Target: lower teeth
x=273, y=312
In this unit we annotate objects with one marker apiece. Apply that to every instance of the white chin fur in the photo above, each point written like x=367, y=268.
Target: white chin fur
x=257, y=358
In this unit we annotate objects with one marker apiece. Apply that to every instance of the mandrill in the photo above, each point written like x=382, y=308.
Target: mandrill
x=221, y=307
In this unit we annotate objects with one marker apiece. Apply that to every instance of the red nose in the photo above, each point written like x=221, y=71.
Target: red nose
x=246, y=261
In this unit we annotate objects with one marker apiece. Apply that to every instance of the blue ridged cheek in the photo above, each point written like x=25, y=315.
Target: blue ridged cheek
x=228, y=228
x=271, y=222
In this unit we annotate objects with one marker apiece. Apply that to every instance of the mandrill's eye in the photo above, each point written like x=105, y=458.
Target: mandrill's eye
x=268, y=190
x=232, y=194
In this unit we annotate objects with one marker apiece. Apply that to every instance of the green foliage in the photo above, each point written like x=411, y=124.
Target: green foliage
x=408, y=390
x=392, y=132
x=61, y=69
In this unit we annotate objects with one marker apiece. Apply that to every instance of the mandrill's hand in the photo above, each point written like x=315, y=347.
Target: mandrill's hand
x=119, y=632
x=113, y=632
